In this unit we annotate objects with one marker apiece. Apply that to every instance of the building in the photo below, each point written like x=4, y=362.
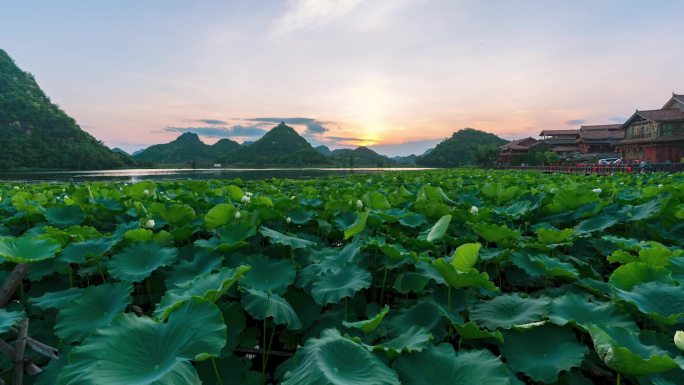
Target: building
x=516, y=151
x=656, y=136
x=562, y=142
x=599, y=139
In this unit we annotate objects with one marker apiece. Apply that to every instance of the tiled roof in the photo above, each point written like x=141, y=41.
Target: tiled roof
x=668, y=115
x=660, y=139
x=520, y=144
x=601, y=134
x=558, y=132
x=565, y=149
x=600, y=127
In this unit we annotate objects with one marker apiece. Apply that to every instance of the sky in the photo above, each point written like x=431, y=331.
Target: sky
x=396, y=75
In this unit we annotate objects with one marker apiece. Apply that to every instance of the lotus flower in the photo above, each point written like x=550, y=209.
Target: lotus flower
x=146, y=192
x=292, y=198
x=597, y=190
x=238, y=215
x=679, y=339
x=149, y=224
x=660, y=186
x=245, y=199
x=359, y=204
x=474, y=210
x=288, y=219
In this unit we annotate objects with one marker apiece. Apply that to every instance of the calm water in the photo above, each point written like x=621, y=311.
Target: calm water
x=133, y=175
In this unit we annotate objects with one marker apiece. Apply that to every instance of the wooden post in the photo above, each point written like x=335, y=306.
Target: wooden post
x=19, y=349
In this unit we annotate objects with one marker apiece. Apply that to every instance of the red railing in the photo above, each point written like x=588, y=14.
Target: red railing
x=583, y=168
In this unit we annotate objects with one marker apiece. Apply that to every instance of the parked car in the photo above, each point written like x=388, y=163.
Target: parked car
x=607, y=161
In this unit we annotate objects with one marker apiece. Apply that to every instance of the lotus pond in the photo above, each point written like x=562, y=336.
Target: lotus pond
x=431, y=277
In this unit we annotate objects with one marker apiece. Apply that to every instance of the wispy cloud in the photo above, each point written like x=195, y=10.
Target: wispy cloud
x=574, y=122
x=313, y=126
x=213, y=122
x=312, y=14
x=220, y=132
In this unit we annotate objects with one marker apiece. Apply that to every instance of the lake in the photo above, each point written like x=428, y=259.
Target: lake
x=132, y=175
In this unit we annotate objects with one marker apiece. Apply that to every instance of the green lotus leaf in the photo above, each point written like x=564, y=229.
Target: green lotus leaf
x=369, y=325
x=508, y=310
x=439, y=229
x=631, y=274
x=465, y=256
x=554, y=267
x=656, y=255
x=232, y=370
x=210, y=286
x=261, y=305
x=358, y=226
x=300, y=216
x=460, y=279
x=9, y=319
x=640, y=212
x=81, y=251
x=440, y=365
x=413, y=220
x=335, y=360
x=187, y=269
x=174, y=214
x=235, y=192
x=542, y=352
x=597, y=223
x=64, y=216
x=94, y=309
x=27, y=249
x=499, y=234
x=269, y=274
x=137, y=261
x=434, y=195
x=410, y=282
x=336, y=283
x=552, y=236
x=663, y=302
x=56, y=300
x=577, y=310
x=622, y=256
x=376, y=201
x=139, y=351
x=220, y=215
x=624, y=352
x=500, y=192
x=282, y=239
x=471, y=331
x=425, y=313
x=413, y=339
x=397, y=251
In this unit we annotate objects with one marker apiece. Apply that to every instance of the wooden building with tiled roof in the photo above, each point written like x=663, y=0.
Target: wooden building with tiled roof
x=599, y=139
x=562, y=142
x=656, y=136
x=515, y=151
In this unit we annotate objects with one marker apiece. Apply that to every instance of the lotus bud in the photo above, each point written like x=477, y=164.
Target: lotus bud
x=679, y=339
x=245, y=199
x=146, y=192
x=66, y=197
x=238, y=215
x=249, y=194
x=288, y=219
x=660, y=186
x=0, y=199
x=16, y=187
x=597, y=190
x=292, y=198
x=359, y=204
x=149, y=224
x=474, y=210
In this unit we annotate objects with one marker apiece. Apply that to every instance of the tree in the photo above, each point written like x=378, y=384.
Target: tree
x=484, y=155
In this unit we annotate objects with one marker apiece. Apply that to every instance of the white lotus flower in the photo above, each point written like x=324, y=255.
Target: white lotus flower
x=66, y=197
x=597, y=190
x=288, y=220
x=0, y=199
x=245, y=199
x=292, y=198
x=679, y=339
x=16, y=187
x=238, y=215
x=660, y=186
x=149, y=224
x=146, y=192
x=249, y=194
x=359, y=204
x=474, y=210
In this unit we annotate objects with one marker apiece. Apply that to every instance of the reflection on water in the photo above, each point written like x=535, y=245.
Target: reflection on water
x=133, y=175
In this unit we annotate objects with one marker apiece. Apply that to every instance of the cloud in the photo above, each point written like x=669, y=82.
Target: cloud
x=313, y=126
x=575, y=122
x=618, y=119
x=220, y=132
x=312, y=14
x=213, y=122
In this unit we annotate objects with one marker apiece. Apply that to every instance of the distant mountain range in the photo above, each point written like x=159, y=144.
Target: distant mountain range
x=36, y=133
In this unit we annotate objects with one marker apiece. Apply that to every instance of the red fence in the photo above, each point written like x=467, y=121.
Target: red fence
x=601, y=169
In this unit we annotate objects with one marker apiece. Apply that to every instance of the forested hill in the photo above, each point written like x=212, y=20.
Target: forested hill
x=460, y=149
x=282, y=146
x=187, y=148
x=36, y=133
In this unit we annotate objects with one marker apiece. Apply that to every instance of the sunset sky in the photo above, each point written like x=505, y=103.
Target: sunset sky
x=400, y=75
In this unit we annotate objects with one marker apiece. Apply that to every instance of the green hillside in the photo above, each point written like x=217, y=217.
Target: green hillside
x=459, y=150
x=282, y=146
x=185, y=149
x=359, y=157
x=36, y=133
